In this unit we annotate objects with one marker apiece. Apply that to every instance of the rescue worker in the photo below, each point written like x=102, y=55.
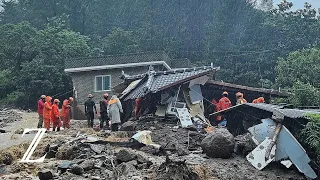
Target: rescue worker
x=103, y=111
x=41, y=102
x=47, y=112
x=55, y=115
x=137, y=109
x=114, y=110
x=65, y=112
x=258, y=100
x=224, y=103
x=89, y=105
x=240, y=98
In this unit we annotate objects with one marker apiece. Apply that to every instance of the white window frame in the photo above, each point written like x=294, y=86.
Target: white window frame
x=95, y=83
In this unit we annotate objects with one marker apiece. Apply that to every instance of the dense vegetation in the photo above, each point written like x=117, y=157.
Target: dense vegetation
x=256, y=48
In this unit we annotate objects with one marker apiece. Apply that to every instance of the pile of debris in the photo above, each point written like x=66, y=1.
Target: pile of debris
x=9, y=116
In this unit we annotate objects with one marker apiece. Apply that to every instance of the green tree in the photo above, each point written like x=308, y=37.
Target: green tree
x=120, y=41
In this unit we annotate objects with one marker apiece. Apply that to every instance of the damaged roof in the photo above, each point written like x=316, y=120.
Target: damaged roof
x=117, y=59
x=231, y=86
x=290, y=113
x=157, y=81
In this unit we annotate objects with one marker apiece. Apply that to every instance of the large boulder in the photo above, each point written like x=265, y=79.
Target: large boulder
x=218, y=144
x=244, y=144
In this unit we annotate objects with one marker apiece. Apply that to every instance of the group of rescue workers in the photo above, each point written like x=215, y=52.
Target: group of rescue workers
x=49, y=113
x=110, y=110
x=225, y=103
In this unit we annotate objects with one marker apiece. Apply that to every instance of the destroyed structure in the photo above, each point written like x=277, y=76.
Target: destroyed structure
x=97, y=75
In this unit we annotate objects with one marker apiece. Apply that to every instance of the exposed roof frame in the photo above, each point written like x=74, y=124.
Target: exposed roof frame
x=117, y=66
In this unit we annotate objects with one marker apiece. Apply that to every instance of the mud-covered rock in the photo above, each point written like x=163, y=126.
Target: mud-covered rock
x=125, y=167
x=87, y=164
x=244, y=144
x=218, y=144
x=125, y=155
x=45, y=174
x=128, y=126
x=76, y=169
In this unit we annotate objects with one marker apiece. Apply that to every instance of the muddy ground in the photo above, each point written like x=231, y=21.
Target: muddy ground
x=72, y=154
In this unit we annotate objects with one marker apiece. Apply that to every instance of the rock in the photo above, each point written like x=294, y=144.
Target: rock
x=181, y=151
x=7, y=159
x=97, y=148
x=108, y=174
x=2, y=131
x=63, y=166
x=19, y=131
x=108, y=164
x=141, y=159
x=218, y=144
x=67, y=152
x=125, y=155
x=45, y=174
x=128, y=126
x=244, y=144
x=125, y=167
x=51, y=150
x=76, y=169
x=152, y=128
x=95, y=177
x=87, y=165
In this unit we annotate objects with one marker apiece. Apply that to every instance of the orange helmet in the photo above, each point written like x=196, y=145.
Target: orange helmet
x=90, y=96
x=71, y=99
x=56, y=101
x=43, y=96
x=48, y=99
x=225, y=93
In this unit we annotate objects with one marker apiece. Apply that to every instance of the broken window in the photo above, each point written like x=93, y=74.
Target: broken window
x=102, y=83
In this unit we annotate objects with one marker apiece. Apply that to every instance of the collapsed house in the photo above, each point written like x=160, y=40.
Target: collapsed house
x=274, y=129
x=186, y=90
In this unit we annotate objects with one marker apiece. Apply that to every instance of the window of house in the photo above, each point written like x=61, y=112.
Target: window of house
x=102, y=83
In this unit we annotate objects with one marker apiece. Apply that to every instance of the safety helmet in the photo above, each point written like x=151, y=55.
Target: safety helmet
x=106, y=95
x=43, y=96
x=70, y=98
x=90, y=96
x=225, y=93
x=56, y=101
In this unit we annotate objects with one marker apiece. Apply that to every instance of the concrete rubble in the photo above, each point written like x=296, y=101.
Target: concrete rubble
x=166, y=151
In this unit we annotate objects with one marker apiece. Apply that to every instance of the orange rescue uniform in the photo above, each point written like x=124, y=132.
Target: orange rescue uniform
x=47, y=112
x=224, y=103
x=55, y=116
x=65, y=113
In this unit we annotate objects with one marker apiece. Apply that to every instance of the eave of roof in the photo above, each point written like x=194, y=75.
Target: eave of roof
x=291, y=113
x=246, y=88
x=117, y=66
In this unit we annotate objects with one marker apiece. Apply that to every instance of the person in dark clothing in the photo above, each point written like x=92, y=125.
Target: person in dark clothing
x=88, y=109
x=103, y=111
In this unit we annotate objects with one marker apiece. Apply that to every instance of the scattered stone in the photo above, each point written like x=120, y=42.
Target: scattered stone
x=181, y=151
x=125, y=155
x=67, y=152
x=76, y=169
x=19, y=131
x=51, y=150
x=128, y=126
x=45, y=174
x=87, y=165
x=64, y=166
x=7, y=159
x=97, y=148
x=95, y=177
x=125, y=167
x=218, y=144
x=152, y=128
x=141, y=159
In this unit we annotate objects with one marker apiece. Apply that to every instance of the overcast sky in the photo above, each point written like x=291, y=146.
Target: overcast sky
x=298, y=4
